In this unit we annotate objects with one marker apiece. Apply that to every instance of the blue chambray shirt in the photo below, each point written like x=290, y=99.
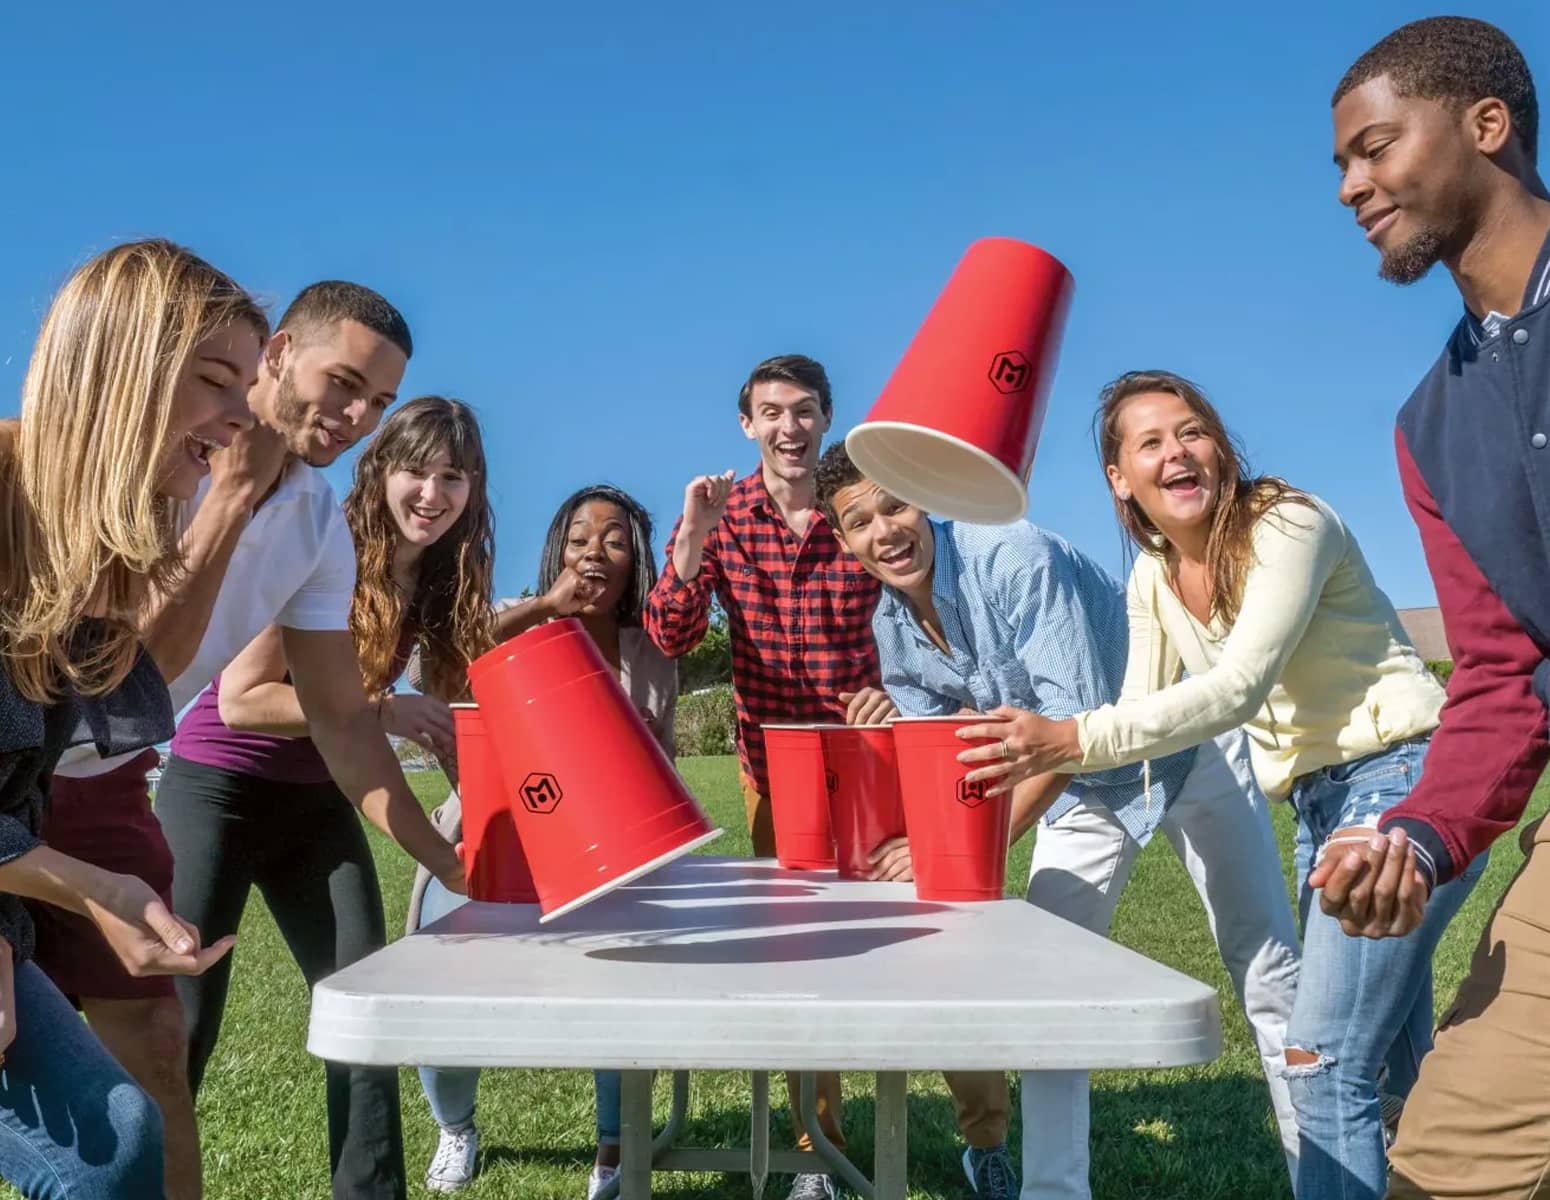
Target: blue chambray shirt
x=1032, y=622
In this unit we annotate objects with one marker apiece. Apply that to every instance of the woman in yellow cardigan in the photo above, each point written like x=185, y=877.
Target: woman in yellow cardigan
x=1251, y=605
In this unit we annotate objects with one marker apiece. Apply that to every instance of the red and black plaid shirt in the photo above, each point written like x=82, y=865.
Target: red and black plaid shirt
x=799, y=612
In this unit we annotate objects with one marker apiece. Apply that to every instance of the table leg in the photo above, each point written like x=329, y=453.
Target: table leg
x=675, y=1118
x=759, y=1134
x=635, y=1136
x=834, y=1158
x=890, y=1144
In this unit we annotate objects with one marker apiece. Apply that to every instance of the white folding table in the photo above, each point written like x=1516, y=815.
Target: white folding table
x=738, y=964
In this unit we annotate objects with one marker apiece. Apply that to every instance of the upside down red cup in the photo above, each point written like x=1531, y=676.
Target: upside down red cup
x=958, y=834
x=864, y=805
x=955, y=428
x=799, y=797
x=596, y=801
x=496, y=868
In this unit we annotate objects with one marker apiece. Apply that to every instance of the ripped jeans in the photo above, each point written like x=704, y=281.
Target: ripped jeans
x=1362, y=1005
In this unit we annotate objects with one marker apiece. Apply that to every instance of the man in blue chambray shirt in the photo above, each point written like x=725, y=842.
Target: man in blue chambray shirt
x=974, y=617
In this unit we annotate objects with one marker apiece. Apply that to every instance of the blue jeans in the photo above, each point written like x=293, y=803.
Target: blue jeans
x=1362, y=1005
x=451, y=1091
x=72, y=1123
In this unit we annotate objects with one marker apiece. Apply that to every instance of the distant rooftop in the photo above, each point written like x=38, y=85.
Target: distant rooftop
x=1424, y=625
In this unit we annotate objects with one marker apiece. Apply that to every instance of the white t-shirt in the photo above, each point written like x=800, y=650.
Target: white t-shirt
x=294, y=566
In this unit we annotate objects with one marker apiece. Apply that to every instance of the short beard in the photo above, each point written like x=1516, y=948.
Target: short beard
x=1409, y=261
x=290, y=415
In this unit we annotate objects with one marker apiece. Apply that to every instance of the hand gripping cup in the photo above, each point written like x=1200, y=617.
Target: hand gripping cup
x=799, y=797
x=596, y=801
x=864, y=805
x=496, y=867
x=958, y=835
x=955, y=428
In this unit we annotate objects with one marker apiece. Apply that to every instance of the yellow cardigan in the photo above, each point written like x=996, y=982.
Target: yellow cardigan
x=1316, y=668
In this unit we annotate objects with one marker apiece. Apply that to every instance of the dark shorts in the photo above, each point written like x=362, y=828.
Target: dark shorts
x=105, y=820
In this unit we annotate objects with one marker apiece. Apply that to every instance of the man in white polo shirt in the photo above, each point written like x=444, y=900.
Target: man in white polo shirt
x=266, y=544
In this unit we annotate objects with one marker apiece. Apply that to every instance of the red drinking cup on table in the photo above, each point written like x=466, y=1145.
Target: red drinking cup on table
x=864, y=805
x=799, y=797
x=955, y=429
x=494, y=864
x=958, y=834
x=596, y=801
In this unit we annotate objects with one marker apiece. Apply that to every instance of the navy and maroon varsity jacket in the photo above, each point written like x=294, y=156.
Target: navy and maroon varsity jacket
x=1474, y=458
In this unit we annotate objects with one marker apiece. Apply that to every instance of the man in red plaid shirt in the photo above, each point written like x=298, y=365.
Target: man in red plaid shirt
x=799, y=607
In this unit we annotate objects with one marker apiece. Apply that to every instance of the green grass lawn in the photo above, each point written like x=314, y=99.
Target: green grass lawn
x=1197, y=1133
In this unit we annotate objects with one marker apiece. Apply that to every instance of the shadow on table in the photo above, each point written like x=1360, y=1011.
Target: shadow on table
x=729, y=891
x=651, y=922
x=813, y=946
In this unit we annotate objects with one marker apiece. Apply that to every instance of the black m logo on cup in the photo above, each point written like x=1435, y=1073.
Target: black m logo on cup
x=541, y=792
x=1010, y=371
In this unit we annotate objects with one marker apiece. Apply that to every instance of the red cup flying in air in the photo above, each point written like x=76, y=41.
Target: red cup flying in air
x=864, y=805
x=799, y=797
x=597, y=803
x=958, y=834
x=955, y=428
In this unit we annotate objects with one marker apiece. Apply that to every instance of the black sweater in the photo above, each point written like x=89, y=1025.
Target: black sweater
x=136, y=714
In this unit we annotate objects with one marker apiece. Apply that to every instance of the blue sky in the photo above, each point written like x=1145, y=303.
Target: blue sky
x=597, y=218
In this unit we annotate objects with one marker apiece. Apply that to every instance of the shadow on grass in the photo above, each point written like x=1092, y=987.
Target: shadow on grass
x=1153, y=1139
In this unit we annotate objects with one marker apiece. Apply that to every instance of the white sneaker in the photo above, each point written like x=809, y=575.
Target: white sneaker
x=456, y=1155
x=600, y=1178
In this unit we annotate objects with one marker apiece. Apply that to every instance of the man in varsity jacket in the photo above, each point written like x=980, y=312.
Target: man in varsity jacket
x=1436, y=131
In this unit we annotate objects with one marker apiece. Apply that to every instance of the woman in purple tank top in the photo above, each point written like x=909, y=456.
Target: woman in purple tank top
x=424, y=537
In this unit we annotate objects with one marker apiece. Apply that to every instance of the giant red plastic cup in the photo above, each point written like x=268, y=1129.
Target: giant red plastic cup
x=799, y=797
x=958, y=834
x=596, y=801
x=955, y=428
x=864, y=805
x=494, y=864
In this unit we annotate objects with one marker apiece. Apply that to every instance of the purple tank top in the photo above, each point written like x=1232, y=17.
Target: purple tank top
x=202, y=737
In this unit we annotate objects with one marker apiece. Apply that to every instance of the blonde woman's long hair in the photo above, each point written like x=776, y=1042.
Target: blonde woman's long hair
x=1241, y=501
x=450, y=616
x=84, y=527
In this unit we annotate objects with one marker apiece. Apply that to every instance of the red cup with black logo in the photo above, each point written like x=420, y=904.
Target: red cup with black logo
x=955, y=428
x=596, y=801
x=958, y=834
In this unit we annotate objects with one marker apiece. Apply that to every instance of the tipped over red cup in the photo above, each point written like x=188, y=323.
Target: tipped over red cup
x=596, y=801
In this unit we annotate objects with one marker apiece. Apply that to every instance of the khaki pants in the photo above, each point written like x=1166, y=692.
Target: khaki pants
x=1477, y=1124
x=982, y=1100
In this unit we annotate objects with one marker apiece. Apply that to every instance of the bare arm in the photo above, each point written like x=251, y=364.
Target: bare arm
x=146, y=938
x=173, y=623
x=352, y=743
x=254, y=693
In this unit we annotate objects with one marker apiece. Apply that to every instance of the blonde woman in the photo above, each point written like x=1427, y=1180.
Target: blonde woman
x=141, y=368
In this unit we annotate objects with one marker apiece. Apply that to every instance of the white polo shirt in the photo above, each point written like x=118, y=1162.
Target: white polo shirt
x=294, y=566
